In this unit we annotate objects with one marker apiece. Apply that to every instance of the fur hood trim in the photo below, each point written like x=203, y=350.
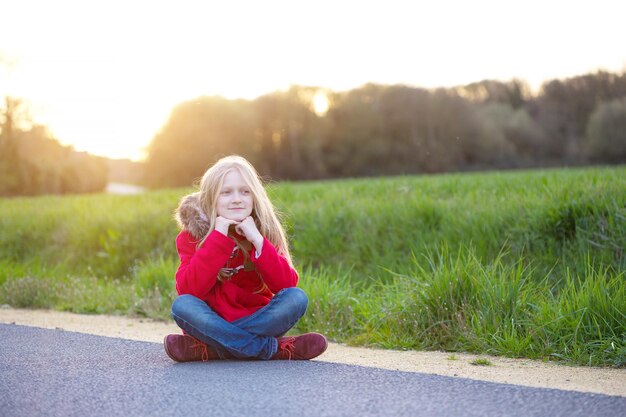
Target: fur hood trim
x=190, y=216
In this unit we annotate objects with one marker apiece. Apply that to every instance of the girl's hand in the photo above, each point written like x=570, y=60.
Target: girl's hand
x=248, y=229
x=222, y=224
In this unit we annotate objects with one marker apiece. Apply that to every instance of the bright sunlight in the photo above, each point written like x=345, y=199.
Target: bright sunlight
x=320, y=103
x=106, y=75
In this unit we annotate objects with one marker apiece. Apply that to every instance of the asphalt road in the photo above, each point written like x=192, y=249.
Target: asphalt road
x=58, y=373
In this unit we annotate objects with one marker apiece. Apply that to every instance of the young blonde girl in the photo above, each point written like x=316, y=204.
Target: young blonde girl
x=236, y=282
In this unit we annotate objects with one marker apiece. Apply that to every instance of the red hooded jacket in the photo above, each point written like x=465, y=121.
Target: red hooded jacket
x=243, y=293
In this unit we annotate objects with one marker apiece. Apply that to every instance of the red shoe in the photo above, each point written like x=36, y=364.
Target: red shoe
x=185, y=348
x=303, y=347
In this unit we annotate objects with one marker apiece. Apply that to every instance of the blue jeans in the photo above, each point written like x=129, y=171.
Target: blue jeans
x=253, y=336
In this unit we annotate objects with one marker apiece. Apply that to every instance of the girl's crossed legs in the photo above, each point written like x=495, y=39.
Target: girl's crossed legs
x=253, y=336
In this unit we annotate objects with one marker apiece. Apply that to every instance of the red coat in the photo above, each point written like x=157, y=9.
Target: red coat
x=238, y=296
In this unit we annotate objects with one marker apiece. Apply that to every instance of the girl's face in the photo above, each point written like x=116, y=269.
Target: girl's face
x=235, y=201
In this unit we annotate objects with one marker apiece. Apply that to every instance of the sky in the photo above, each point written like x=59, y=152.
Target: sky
x=105, y=75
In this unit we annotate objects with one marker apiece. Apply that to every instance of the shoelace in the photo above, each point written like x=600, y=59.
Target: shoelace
x=198, y=345
x=287, y=345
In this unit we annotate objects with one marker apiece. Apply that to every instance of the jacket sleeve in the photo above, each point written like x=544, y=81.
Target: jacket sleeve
x=274, y=268
x=198, y=269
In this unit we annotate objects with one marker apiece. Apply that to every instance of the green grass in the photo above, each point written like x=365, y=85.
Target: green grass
x=522, y=264
x=481, y=362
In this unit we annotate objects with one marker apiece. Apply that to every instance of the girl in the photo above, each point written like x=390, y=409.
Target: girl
x=236, y=283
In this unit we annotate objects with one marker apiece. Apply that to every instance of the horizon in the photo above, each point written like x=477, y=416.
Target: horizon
x=108, y=92
x=314, y=105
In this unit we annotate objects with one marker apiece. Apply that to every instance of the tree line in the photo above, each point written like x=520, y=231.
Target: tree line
x=32, y=162
x=368, y=131
x=397, y=129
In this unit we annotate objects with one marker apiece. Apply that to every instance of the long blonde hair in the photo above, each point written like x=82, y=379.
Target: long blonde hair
x=264, y=213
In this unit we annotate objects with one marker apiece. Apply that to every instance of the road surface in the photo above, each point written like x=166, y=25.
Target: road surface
x=59, y=373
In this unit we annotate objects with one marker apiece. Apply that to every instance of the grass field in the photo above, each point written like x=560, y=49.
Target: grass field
x=526, y=264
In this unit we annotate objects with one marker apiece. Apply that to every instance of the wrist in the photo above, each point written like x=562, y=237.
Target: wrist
x=222, y=230
x=258, y=243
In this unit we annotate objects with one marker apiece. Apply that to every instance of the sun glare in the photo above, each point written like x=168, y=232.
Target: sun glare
x=109, y=92
x=320, y=103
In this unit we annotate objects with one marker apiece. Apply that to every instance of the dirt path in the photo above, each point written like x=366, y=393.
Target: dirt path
x=512, y=371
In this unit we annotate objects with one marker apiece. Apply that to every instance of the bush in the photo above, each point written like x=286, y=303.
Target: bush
x=606, y=132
